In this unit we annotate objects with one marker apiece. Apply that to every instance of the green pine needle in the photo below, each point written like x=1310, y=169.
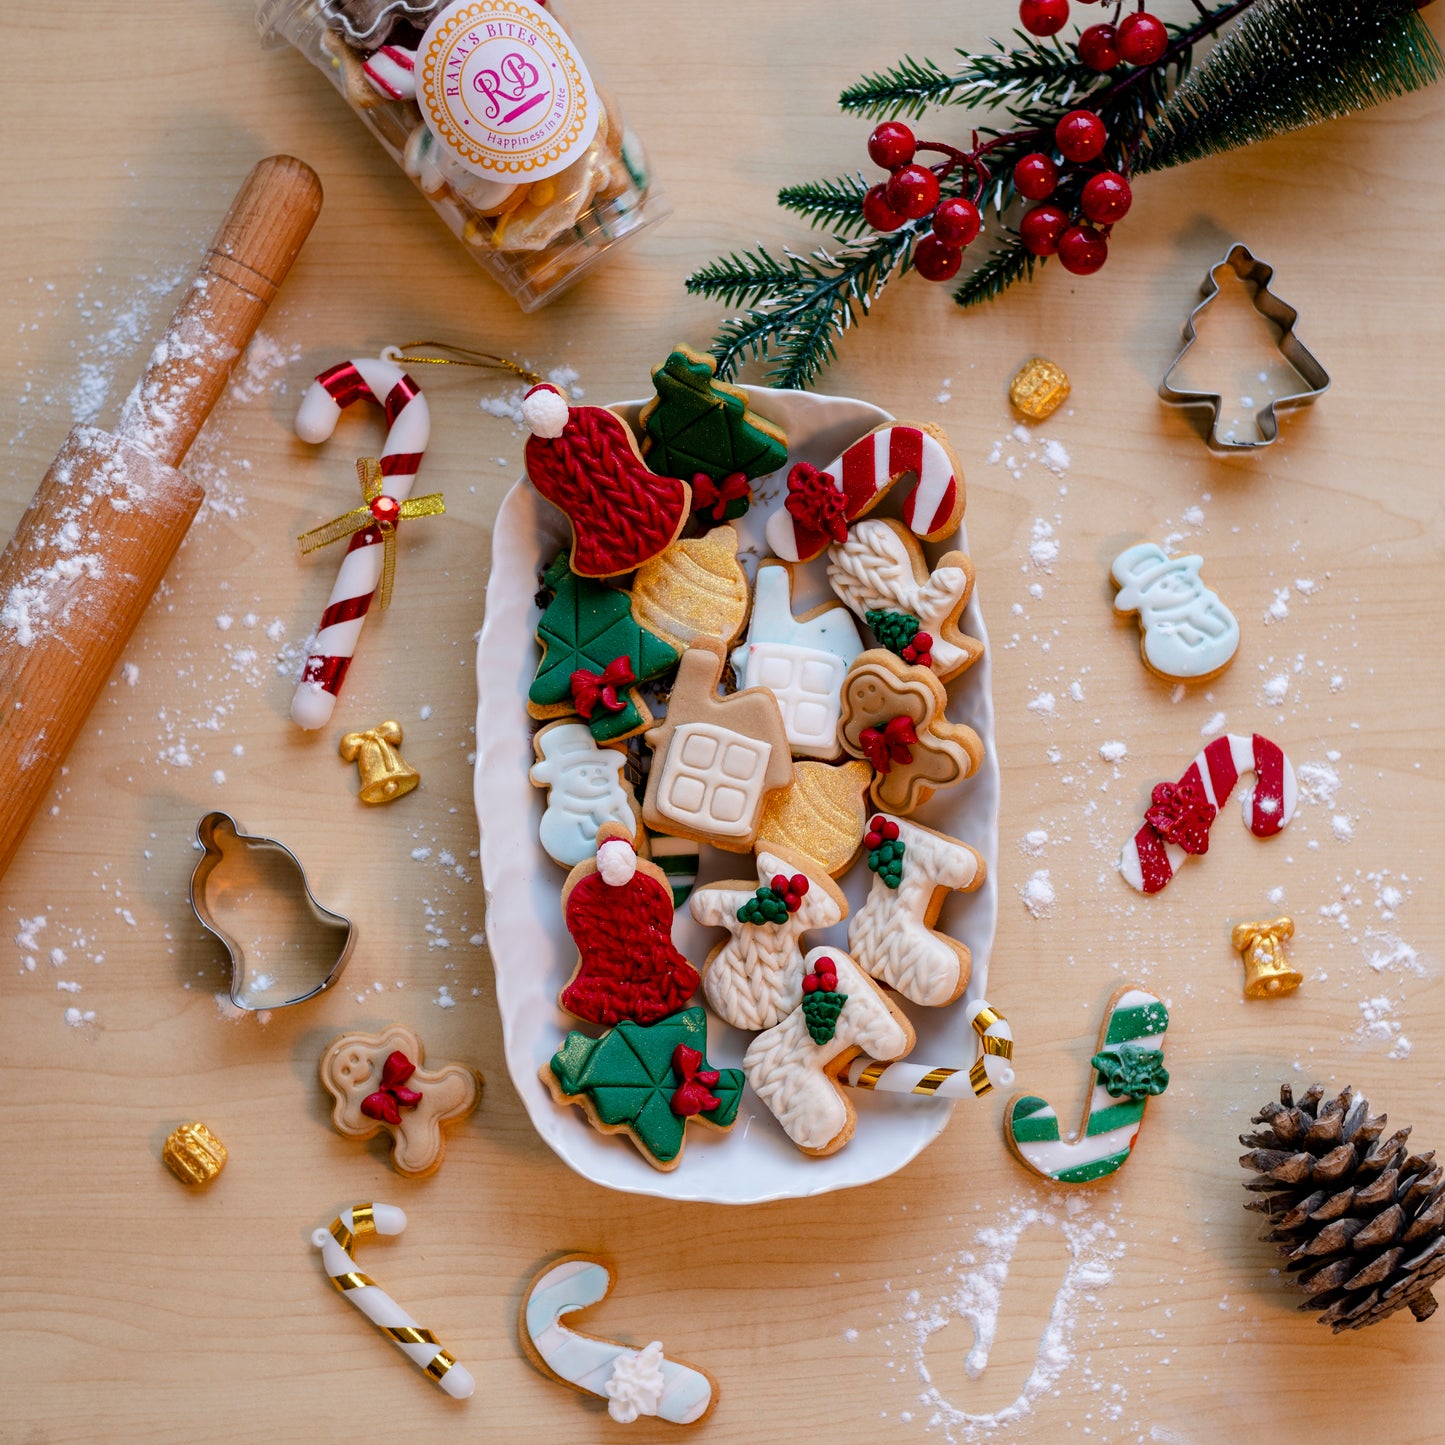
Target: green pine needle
x=1288, y=64
x=836, y=205
x=1001, y=268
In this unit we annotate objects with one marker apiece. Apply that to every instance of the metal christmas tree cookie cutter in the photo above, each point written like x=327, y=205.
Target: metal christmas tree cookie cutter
x=1258, y=274
x=214, y=891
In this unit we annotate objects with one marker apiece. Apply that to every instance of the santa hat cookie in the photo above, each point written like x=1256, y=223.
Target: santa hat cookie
x=585, y=461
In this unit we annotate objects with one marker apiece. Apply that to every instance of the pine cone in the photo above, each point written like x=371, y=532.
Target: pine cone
x=1360, y=1219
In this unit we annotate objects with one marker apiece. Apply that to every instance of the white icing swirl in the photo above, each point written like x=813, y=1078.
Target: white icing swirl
x=636, y=1384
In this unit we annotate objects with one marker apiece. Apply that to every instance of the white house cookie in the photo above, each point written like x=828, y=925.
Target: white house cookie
x=755, y=979
x=802, y=661
x=892, y=935
x=714, y=759
x=794, y=1067
x=1189, y=635
x=881, y=573
x=584, y=790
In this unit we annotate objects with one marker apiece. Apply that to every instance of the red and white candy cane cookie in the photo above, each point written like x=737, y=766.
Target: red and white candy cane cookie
x=820, y=504
x=409, y=421
x=1181, y=814
x=392, y=70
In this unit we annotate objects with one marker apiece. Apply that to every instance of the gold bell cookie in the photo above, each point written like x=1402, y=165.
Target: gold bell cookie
x=385, y=774
x=823, y=815
x=1039, y=389
x=1266, y=972
x=193, y=1154
x=694, y=589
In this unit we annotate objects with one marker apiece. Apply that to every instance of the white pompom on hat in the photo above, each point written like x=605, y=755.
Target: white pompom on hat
x=616, y=862
x=545, y=411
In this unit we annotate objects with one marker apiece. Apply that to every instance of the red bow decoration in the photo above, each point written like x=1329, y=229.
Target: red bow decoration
x=1181, y=814
x=889, y=744
x=708, y=495
x=815, y=501
x=392, y=1097
x=591, y=688
x=692, y=1095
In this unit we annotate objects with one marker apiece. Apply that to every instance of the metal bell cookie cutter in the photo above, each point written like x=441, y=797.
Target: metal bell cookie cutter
x=213, y=888
x=1258, y=274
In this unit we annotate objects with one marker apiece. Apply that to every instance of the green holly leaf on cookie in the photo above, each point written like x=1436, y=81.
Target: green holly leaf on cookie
x=586, y=627
x=697, y=424
x=1131, y=1071
x=631, y=1079
x=894, y=630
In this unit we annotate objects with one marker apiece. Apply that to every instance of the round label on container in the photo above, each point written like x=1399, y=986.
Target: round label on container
x=504, y=91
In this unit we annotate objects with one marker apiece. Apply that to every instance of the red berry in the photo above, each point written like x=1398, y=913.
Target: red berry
x=1043, y=17
x=912, y=191
x=878, y=213
x=810, y=983
x=876, y=821
x=891, y=145
x=871, y=840
x=1142, y=38
x=1080, y=135
x=1082, y=250
x=1041, y=228
x=799, y=885
x=936, y=260
x=890, y=831
x=1106, y=198
x=1099, y=47
x=1035, y=177
x=956, y=221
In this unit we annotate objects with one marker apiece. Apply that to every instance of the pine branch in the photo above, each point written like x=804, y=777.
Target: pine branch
x=836, y=205
x=1033, y=72
x=1002, y=267
x=798, y=306
x=1288, y=64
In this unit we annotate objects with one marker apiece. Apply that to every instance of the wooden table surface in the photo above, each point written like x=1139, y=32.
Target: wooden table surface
x=136, y=1310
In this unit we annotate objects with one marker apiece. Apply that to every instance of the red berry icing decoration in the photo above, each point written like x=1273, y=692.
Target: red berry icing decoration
x=693, y=1094
x=1106, y=198
x=1082, y=250
x=816, y=503
x=1043, y=17
x=1099, y=47
x=919, y=652
x=1041, y=228
x=956, y=222
x=935, y=260
x=1080, y=135
x=393, y=1096
x=892, y=743
x=1181, y=814
x=822, y=1003
x=912, y=191
x=891, y=145
x=878, y=213
x=885, y=850
x=1142, y=38
x=591, y=690
x=880, y=830
x=1035, y=177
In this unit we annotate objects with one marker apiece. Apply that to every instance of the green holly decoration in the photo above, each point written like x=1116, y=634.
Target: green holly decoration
x=699, y=425
x=822, y=1003
x=765, y=906
x=894, y=630
x=886, y=860
x=628, y=1077
x=1129, y=1071
x=587, y=625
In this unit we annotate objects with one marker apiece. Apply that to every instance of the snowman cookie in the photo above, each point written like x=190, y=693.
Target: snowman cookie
x=585, y=790
x=1188, y=634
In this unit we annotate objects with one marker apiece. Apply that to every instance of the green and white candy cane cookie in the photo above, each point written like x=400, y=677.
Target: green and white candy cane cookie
x=1127, y=1068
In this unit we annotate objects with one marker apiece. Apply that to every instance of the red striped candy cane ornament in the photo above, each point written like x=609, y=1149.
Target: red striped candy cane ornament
x=1177, y=823
x=392, y=70
x=810, y=518
x=409, y=427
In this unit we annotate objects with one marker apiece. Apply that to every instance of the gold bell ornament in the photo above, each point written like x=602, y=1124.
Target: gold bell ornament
x=1267, y=974
x=385, y=774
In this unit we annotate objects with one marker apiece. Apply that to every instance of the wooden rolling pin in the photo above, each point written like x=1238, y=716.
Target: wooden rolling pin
x=101, y=530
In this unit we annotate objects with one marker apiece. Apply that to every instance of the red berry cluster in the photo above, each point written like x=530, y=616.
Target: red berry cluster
x=919, y=651
x=910, y=193
x=880, y=830
x=790, y=890
x=824, y=977
x=1138, y=39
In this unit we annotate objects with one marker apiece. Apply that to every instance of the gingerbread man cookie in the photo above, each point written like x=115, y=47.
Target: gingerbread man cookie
x=756, y=978
x=714, y=759
x=893, y=717
x=585, y=461
x=378, y=1082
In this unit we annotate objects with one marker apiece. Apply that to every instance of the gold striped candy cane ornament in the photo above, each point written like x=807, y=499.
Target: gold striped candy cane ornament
x=992, y=1068
x=419, y=1345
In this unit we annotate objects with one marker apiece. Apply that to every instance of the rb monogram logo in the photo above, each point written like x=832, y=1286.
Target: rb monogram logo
x=511, y=93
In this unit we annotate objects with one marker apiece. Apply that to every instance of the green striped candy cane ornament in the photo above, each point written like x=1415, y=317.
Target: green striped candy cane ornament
x=1127, y=1068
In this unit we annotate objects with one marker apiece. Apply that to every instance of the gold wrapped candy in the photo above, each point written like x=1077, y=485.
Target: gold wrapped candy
x=1266, y=973
x=1039, y=389
x=385, y=774
x=193, y=1154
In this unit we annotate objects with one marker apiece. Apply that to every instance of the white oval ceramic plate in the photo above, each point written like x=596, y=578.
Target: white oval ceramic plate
x=533, y=955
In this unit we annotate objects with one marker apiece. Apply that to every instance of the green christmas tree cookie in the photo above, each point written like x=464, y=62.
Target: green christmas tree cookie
x=594, y=654
x=647, y=1082
x=696, y=424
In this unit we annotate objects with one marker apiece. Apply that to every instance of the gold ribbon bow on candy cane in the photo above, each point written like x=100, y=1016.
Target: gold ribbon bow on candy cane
x=377, y=510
